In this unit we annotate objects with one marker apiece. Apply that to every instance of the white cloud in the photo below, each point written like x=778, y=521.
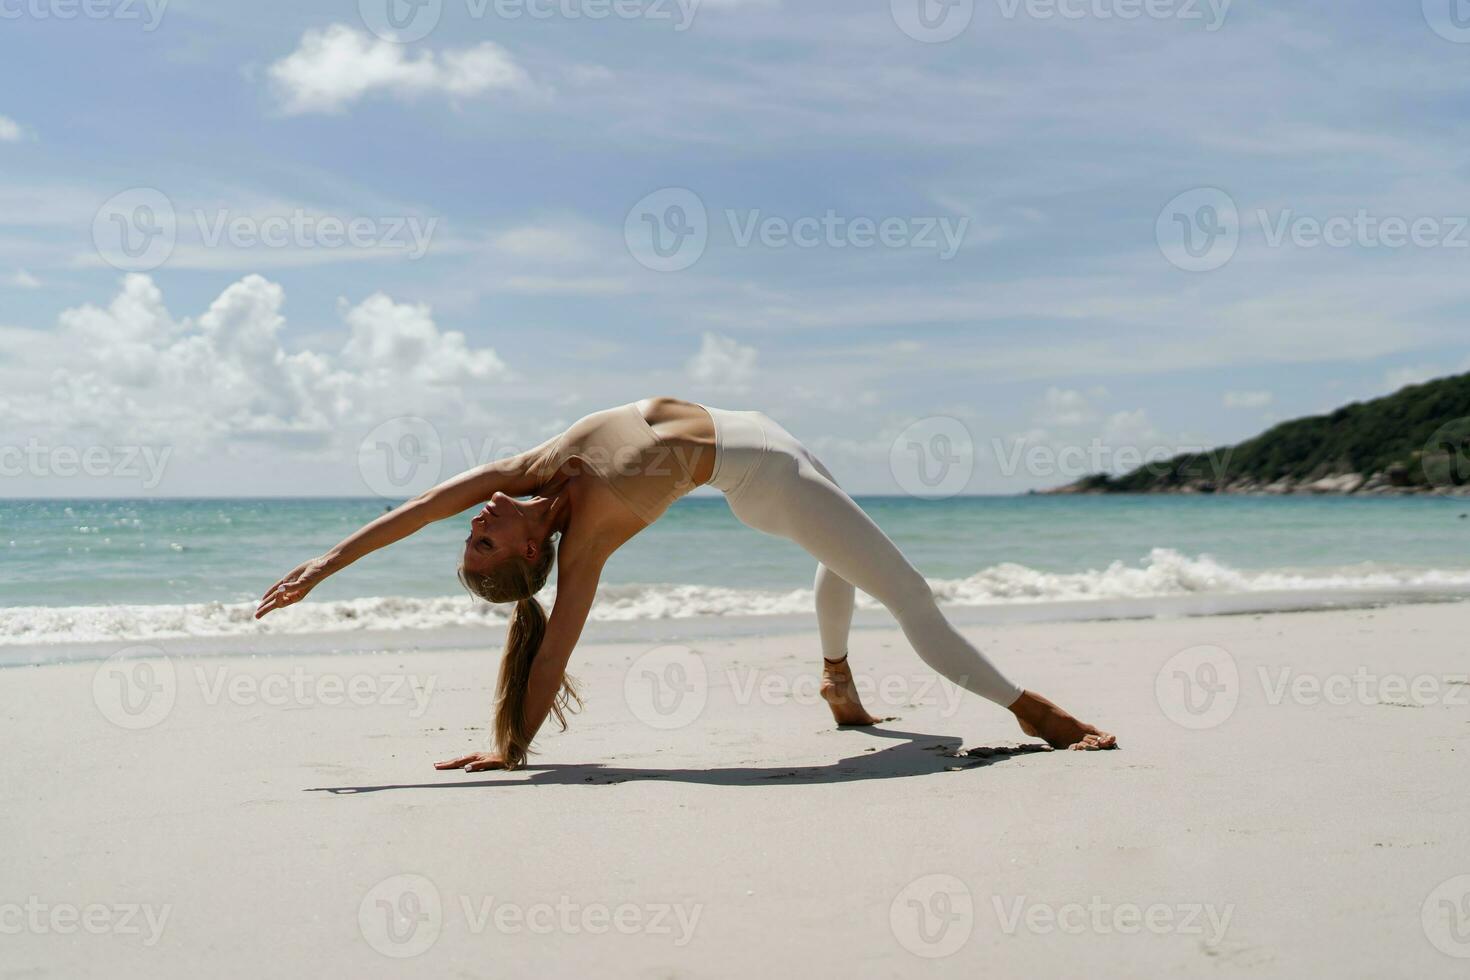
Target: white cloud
x=132, y=371
x=723, y=362
x=1066, y=407
x=336, y=66
x=1133, y=428
x=398, y=339
x=1248, y=399
x=10, y=131
x=21, y=279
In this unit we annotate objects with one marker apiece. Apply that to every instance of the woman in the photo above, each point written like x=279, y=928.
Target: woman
x=613, y=473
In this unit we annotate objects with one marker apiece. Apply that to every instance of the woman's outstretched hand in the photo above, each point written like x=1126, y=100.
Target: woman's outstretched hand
x=294, y=587
x=475, y=762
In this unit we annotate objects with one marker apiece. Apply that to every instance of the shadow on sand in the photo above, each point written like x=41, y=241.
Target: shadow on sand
x=915, y=755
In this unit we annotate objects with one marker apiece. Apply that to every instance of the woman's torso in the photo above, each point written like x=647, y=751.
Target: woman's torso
x=645, y=455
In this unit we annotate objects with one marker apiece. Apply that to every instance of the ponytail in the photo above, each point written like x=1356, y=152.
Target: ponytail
x=512, y=731
x=518, y=581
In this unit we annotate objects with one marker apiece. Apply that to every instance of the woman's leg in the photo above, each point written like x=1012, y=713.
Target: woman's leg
x=813, y=511
x=792, y=495
x=835, y=598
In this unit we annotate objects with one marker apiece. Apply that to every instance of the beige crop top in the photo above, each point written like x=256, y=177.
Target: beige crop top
x=621, y=448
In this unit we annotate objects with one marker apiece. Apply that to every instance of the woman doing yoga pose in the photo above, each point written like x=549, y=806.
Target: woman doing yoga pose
x=613, y=473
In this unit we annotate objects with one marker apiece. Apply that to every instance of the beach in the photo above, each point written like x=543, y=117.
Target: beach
x=1288, y=801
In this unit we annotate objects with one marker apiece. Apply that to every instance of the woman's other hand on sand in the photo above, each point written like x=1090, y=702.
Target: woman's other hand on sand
x=475, y=762
x=294, y=587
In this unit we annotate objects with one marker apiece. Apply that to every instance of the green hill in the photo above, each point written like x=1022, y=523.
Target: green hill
x=1415, y=440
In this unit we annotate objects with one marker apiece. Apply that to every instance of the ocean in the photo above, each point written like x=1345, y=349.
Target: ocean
x=99, y=572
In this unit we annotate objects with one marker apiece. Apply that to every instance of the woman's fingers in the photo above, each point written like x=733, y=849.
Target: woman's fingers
x=474, y=762
x=281, y=596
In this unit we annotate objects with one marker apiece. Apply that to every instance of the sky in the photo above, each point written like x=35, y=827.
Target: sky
x=955, y=246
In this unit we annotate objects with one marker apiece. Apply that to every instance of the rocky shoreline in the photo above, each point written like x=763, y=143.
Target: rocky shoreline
x=1390, y=483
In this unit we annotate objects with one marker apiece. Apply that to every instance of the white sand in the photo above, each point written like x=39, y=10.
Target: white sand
x=1290, y=839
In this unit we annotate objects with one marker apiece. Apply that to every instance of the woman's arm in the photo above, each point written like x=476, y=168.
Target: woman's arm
x=510, y=476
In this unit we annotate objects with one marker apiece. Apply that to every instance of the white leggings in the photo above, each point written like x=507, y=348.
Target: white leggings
x=774, y=484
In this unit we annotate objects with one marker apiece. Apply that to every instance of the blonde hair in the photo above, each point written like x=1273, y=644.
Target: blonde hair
x=518, y=580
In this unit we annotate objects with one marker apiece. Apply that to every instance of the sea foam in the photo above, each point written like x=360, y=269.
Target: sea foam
x=1164, y=572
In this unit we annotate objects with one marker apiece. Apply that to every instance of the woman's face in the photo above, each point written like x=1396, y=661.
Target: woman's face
x=499, y=531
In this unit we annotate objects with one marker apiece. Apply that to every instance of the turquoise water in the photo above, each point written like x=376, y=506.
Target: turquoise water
x=102, y=552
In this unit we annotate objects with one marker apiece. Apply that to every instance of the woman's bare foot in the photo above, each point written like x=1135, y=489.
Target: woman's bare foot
x=841, y=695
x=1039, y=717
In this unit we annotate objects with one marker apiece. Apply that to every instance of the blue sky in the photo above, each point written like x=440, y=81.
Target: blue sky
x=1028, y=173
